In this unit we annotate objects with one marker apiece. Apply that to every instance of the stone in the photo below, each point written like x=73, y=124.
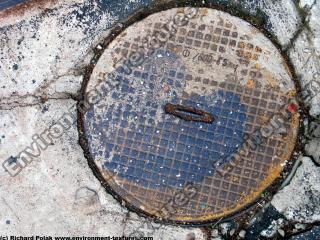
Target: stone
x=242, y=234
x=272, y=230
x=299, y=201
x=232, y=231
x=215, y=233
x=313, y=149
x=306, y=3
x=224, y=228
x=281, y=232
x=300, y=226
x=314, y=130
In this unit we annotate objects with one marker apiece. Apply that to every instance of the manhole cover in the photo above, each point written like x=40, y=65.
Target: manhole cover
x=193, y=115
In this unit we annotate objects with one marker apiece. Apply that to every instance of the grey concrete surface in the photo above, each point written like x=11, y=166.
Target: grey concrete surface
x=299, y=201
x=43, y=51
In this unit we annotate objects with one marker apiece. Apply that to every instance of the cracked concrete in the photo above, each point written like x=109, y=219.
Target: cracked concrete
x=43, y=51
x=50, y=185
x=284, y=19
x=313, y=149
x=33, y=58
x=299, y=201
x=304, y=55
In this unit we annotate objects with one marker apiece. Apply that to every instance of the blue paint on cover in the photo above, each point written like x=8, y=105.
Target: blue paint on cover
x=150, y=148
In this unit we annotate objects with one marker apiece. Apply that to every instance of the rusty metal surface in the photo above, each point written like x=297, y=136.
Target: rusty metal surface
x=188, y=113
x=219, y=64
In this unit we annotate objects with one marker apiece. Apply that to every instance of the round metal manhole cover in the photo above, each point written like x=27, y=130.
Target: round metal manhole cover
x=192, y=115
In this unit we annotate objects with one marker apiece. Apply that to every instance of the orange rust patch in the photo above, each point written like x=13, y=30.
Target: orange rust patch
x=250, y=83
